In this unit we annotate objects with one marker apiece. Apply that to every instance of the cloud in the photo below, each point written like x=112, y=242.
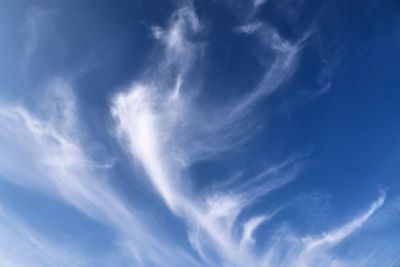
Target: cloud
x=160, y=123
x=160, y=126
x=35, y=25
x=281, y=67
x=320, y=245
x=20, y=245
x=140, y=126
x=249, y=28
x=249, y=227
x=258, y=3
x=290, y=250
x=344, y=231
x=45, y=154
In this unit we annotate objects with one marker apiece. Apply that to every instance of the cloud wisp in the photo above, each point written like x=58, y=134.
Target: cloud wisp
x=46, y=155
x=20, y=245
x=161, y=126
x=37, y=22
x=316, y=246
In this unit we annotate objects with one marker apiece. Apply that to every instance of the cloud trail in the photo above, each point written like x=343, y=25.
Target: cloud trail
x=37, y=22
x=154, y=117
x=160, y=125
x=249, y=227
x=341, y=233
x=159, y=122
x=22, y=246
x=46, y=155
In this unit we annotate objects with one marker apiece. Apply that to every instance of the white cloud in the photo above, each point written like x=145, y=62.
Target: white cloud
x=258, y=3
x=249, y=227
x=249, y=28
x=35, y=25
x=161, y=126
x=308, y=251
x=44, y=153
x=344, y=231
x=163, y=130
x=317, y=249
x=281, y=67
x=20, y=246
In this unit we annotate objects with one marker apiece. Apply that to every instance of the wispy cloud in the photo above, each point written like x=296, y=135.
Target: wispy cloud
x=258, y=3
x=291, y=250
x=159, y=123
x=249, y=227
x=317, y=249
x=35, y=26
x=46, y=155
x=283, y=63
x=249, y=28
x=164, y=131
x=20, y=245
x=341, y=233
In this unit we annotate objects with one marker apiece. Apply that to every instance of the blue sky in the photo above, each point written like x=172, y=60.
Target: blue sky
x=257, y=133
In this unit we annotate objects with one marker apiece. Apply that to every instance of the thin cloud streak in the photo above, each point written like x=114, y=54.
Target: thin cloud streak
x=249, y=227
x=280, y=68
x=36, y=24
x=155, y=121
x=45, y=154
x=160, y=125
x=344, y=231
x=294, y=251
x=20, y=245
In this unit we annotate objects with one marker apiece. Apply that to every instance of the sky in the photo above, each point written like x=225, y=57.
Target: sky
x=181, y=133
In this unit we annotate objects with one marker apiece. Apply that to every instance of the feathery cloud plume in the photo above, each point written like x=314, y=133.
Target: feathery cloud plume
x=45, y=154
x=160, y=125
x=165, y=133
x=20, y=245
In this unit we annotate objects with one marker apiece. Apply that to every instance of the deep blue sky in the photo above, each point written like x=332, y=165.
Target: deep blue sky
x=199, y=133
